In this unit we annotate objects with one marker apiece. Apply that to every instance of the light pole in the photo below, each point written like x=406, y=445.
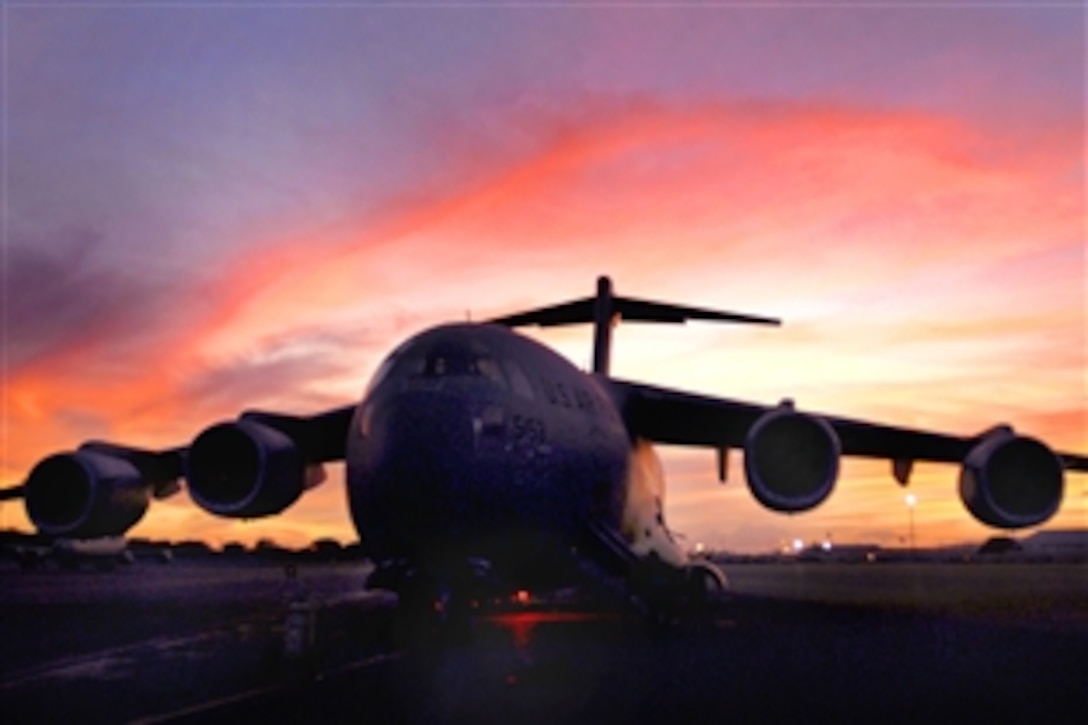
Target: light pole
x=912, y=500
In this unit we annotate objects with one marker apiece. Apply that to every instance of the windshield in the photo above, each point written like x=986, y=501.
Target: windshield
x=441, y=359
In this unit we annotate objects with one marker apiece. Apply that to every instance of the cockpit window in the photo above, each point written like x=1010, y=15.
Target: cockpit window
x=447, y=359
x=441, y=359
x=519, y=382
x=489, y=369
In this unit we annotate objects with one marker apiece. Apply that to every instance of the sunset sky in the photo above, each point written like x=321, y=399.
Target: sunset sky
x=218, y=207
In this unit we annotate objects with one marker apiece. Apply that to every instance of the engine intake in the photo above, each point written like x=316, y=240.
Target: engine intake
x=1010, y=481
x=85, y=494
x=791, y=459
x=244, y=469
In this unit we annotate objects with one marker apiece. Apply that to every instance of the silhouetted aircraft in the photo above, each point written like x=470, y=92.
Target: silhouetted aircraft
x=480, y=460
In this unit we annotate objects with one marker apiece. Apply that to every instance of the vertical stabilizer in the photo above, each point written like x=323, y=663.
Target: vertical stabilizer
x=603, y=313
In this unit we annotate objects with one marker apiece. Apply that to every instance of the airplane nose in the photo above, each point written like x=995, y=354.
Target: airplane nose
x=421, y=439
x=434, y=469
x=418, y=463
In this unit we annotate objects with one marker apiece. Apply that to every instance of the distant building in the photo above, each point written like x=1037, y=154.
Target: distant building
x=1056, y=545
x=997, y=545
x=187, y=549
x=843, y=553
x=1062, y=543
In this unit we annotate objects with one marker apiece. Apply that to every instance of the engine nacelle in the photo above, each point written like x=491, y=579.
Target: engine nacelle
x=791, y=460
x=85, y=495
x=244, y=469
x=1010, y=481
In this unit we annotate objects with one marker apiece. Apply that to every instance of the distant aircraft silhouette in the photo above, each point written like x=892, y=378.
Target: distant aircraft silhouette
x=480, y=460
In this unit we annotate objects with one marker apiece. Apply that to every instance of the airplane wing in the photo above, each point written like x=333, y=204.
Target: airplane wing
x=9, y=494
x=254, y=466
x=791, y=458
x=675, y=417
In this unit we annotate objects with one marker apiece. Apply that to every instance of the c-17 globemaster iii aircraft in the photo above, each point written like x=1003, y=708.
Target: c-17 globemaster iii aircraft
x=479, y=458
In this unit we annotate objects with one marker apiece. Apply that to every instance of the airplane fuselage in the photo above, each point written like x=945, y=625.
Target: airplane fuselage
x=474, y=440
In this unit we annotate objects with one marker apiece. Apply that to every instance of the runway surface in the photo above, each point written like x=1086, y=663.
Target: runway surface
x=205, y=642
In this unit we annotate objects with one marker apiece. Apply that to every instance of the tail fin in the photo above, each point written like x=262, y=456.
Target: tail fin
x=606, y=309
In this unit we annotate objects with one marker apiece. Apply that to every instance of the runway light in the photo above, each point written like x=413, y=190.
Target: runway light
x=911, y=500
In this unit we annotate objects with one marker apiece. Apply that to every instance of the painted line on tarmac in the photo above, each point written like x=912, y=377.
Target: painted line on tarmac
x=205, y=708
x=93, y=664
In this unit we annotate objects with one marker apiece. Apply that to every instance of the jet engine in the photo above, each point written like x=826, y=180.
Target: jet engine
x=1010, y=481
x=791, y=459
x=245, y=469
x=85, y=494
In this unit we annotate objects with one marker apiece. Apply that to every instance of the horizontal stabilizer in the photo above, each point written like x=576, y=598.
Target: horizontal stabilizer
x=629, y=309
x=606, y=308
x=648, y=311
x=567, y=313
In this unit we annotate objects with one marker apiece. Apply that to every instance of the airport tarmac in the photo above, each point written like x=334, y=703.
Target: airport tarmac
x=204, y=642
